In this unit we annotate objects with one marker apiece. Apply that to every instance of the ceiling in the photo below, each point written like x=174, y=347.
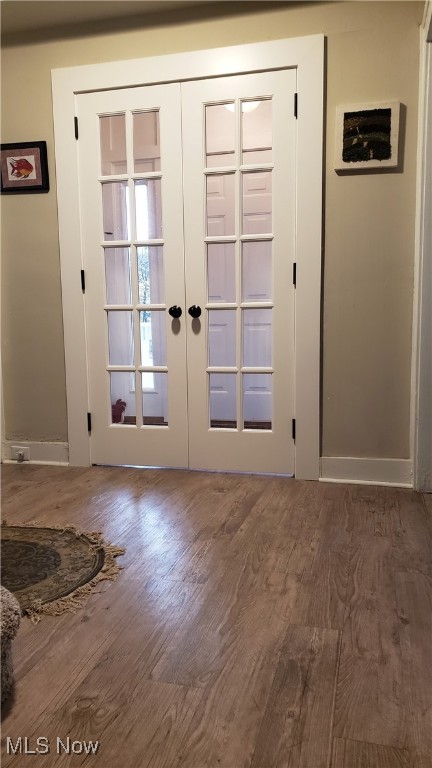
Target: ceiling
x=29, y=16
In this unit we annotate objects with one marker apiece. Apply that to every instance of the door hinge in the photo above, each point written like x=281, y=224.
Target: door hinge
x=296, y=105
x=293, y=429
x=76, y=127
x=89, y=422
x=83, y=286
x=295, y=275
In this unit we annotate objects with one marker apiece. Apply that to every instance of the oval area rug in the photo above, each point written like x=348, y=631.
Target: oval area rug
x=51, y=570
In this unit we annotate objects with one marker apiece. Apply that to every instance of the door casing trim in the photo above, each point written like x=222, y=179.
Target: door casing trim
x=306, y=55
x=421, y=366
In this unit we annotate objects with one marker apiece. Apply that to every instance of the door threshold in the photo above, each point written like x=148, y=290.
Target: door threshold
x=289, y=476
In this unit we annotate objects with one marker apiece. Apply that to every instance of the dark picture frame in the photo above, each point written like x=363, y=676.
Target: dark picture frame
x=24, y=167
x=367, y=136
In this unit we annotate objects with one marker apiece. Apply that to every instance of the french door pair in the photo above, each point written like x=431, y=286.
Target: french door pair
x=187, y=195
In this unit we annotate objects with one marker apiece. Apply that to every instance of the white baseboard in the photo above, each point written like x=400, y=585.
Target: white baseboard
x=334, y=469
x=344, y=469
x=40, y=453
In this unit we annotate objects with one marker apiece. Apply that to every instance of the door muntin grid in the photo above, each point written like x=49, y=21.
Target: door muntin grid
x=132, y=247
x=238, y=211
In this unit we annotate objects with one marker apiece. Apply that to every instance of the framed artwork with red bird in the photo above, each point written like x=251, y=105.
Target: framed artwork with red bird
x=24, y=167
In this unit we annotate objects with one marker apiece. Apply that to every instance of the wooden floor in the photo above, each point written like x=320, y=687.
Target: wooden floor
x=258, y=623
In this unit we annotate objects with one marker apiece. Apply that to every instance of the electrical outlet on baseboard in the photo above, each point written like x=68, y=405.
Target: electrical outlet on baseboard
x=20, y=453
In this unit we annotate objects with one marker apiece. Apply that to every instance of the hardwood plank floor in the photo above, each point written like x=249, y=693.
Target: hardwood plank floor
x=259, y=622
x=360, y=754
x=296, y=727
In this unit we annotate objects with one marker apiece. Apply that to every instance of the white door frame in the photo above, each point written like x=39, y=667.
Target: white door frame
x=306, y=55
x=421, y=400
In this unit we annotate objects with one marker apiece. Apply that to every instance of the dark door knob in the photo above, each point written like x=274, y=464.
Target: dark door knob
x=175, y=311
x=194, y=310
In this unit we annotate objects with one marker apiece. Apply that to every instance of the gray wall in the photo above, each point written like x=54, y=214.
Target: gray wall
x=369, y=219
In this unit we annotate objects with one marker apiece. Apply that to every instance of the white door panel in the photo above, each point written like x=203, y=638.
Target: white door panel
x=242, y=392
x=131, y=184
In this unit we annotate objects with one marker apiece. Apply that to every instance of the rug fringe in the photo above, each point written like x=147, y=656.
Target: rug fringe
x=76, y=599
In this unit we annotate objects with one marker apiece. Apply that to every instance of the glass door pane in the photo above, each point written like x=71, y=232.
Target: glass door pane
x=117, y=276
x=220, y=134
x=257, y=272
x=256, y=131
x=223, y=400
x=257, y=338
x=257, y=400
x=221, y=204
x=113, y=144
x=122, y=390
x=115, y=205
x=151, y=281
x=148, y=209
x=120, y=338
x=146, y=141
x=222, y=337
x=256, y=202
x=155, y=399
x=221, y=272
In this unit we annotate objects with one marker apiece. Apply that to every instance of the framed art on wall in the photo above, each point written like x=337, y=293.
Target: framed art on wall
x=367, y=136
x=24, y=167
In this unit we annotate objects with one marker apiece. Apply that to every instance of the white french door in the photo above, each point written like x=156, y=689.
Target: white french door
x=187, y=195
x=130, y=167
x=239, y=214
